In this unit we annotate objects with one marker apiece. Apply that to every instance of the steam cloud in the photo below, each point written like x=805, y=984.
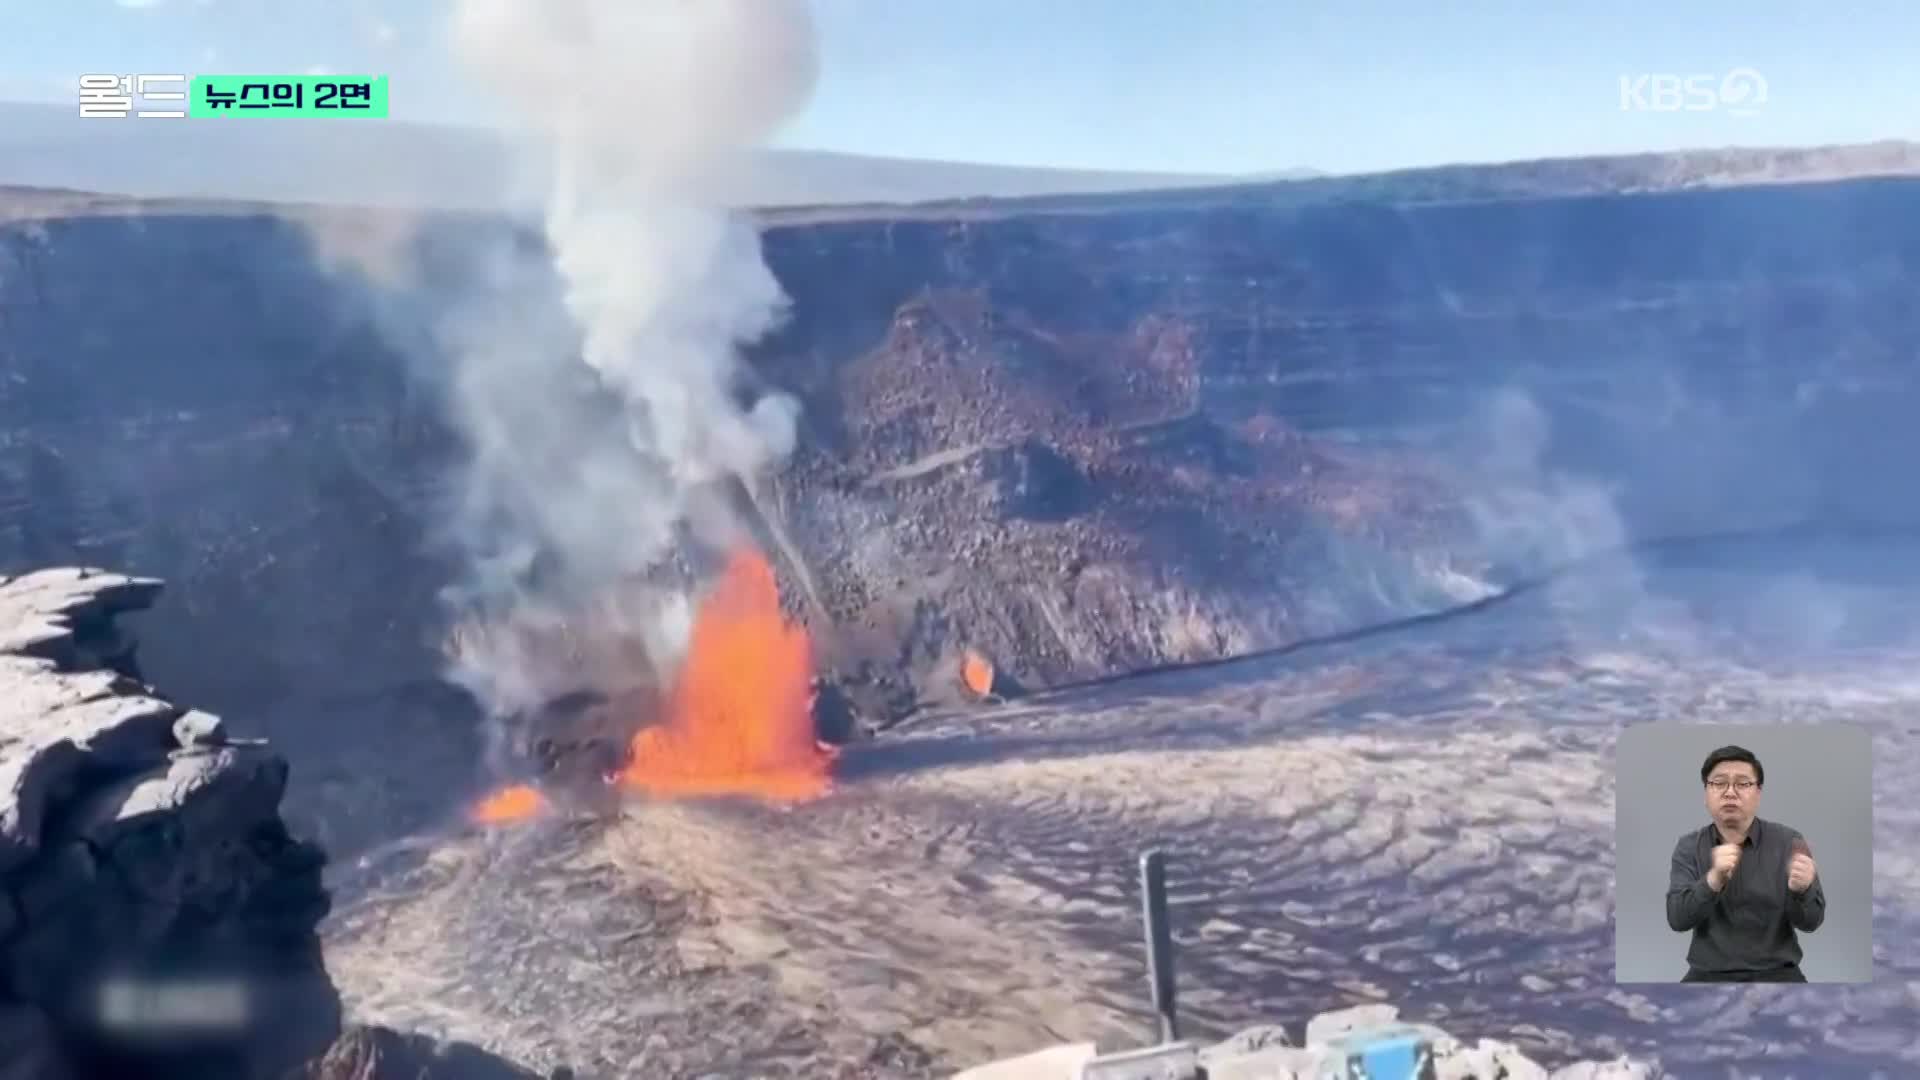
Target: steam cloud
x=1531, y=519
x=597, y=428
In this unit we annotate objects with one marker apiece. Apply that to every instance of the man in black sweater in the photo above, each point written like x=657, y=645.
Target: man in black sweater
x=1742, y=885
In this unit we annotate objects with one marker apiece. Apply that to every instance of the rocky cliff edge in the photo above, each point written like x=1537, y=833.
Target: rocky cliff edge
x=156, y=916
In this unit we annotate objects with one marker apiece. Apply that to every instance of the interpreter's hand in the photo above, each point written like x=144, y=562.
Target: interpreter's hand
x=1800, y=868
x=1725, y=858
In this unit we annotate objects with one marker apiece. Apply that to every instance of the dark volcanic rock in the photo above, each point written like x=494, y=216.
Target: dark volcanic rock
x=1031, y=480
x=156, y=916
x=277, y=450
x=1294, y=418
x=58, y=716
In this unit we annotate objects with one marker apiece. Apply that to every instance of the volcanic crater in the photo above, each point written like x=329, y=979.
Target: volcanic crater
x=1469, y=482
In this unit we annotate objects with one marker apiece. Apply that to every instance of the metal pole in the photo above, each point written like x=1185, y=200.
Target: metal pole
x=1153, y=906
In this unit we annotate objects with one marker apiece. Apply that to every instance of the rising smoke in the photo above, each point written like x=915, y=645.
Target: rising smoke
x=1534, y=518
x=597, y=427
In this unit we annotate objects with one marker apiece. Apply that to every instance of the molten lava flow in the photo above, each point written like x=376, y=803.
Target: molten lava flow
x=739, y=718
x=977, y=673
x=516, y=802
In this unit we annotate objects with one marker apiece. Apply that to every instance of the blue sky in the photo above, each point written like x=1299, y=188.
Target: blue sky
x=1183, y=85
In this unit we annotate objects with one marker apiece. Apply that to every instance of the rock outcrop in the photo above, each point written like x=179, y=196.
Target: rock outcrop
x=153, y=906
x=1366, y=1040
x=157, y=918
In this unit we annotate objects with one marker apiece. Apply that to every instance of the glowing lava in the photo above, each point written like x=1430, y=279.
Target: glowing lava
x=739, y=717
x=976, y=673
x=509, y=804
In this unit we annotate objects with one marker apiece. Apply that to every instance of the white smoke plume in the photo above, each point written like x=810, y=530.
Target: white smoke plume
x=594, y=442
x=1531, y=519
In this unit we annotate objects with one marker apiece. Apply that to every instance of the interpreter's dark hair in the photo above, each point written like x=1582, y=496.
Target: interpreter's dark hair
x=1734, y=753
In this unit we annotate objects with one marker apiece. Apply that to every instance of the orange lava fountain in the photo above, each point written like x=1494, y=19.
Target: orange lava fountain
x=509, y=804
x=739, y=717
x=976, y=673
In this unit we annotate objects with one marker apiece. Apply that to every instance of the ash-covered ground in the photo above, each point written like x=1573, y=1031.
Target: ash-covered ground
x=1423, y=816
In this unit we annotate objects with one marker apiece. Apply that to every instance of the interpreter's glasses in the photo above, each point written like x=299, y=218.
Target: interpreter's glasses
x=1742, y=785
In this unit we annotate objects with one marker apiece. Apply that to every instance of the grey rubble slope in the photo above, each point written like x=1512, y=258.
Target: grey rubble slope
x=139, y=843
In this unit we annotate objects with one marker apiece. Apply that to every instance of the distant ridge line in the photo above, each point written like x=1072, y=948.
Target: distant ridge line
x=1544, y=178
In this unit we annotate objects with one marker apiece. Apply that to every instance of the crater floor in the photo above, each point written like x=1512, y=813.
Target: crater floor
x=1424, y=817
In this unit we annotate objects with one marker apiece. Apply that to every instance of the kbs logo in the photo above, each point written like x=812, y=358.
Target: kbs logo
x=1740, y=92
